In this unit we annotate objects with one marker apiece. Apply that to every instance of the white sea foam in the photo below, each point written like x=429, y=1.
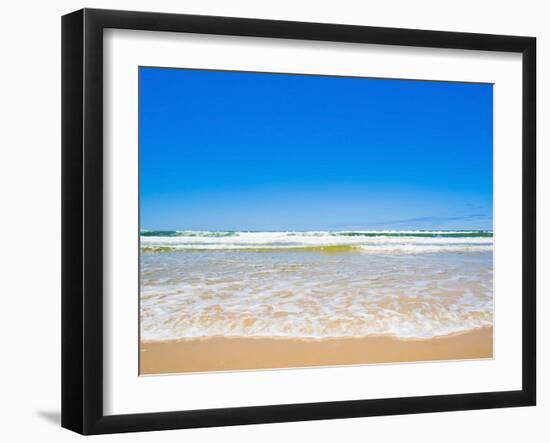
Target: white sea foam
x=365, y=241
x=242, y=293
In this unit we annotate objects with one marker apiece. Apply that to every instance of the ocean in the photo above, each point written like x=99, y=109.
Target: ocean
x=314, y=285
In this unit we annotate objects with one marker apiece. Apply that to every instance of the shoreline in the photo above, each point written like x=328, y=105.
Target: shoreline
x=235, y=353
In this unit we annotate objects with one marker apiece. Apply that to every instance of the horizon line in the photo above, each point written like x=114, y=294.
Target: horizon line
x=314, y=230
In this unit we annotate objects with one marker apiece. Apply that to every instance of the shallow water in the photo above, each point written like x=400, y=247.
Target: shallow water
x=317, y=293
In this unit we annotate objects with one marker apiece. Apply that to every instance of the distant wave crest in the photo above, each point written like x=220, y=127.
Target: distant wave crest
x=317, y=241
x=147, y=233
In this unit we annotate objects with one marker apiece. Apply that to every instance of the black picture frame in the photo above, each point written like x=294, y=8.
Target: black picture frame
x=82, y=219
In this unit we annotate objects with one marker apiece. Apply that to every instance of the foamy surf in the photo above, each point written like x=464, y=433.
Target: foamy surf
x=368, y=285
x=321, y=241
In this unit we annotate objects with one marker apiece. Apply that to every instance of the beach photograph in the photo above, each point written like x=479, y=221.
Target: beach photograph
x=297, y=221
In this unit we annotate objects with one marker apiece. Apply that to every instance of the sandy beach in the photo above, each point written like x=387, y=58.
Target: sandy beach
x=228, y=354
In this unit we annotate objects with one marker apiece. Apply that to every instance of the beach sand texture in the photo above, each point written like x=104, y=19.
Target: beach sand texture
x=229, y=354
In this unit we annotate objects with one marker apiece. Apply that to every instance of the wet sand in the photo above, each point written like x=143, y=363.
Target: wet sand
x=230, y=354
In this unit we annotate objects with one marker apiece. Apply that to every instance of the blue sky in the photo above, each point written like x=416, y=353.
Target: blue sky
x=252, y=151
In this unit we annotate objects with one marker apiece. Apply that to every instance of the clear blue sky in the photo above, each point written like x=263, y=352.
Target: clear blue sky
x=251, y=151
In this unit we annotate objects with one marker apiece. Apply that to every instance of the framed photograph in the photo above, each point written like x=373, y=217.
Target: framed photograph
x=269, y=221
